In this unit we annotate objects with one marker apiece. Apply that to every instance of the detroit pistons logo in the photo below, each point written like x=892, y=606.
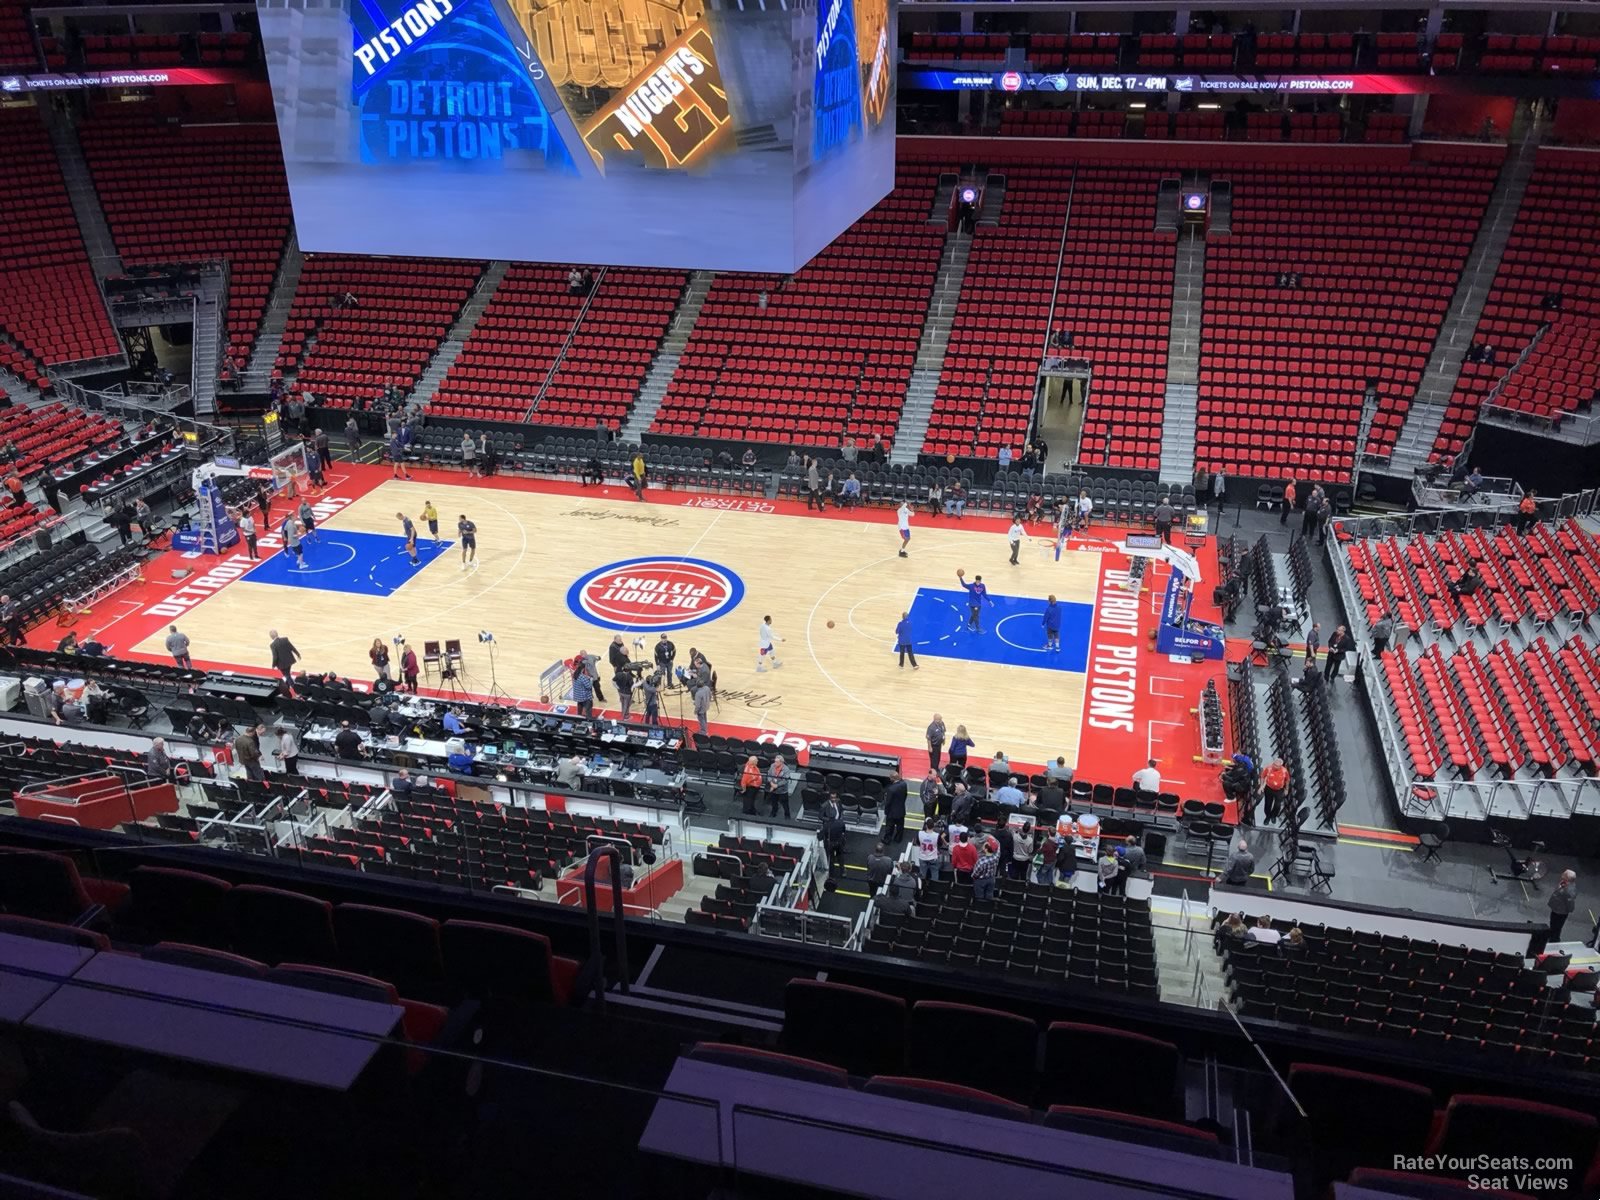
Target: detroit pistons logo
x=655, y=594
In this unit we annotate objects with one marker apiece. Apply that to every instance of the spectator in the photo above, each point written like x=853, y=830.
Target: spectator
x=879, y=867
x=1000, y=764
x=963, y=857
x=1049, y=854
x=934, y=736
x=894, y=810
x=1263, y=932
x=896, y=900
x=850, y=492
x=1109, y=869
x=962, y=802
x=1382, y=631
x=960, y=745
x=929, y=850
x=1059, y=771
x=955, y=500
x=832, y=829
x=1010, y=794
x=1563, y=899
x=1240, y=866
x=1148, y=777
x=1527, y=512
x=1293, y=941
x=1232, y=932
x=1022, y=847
x=984, y=869
x=158, y=763
x=247, y=752
x=1133, y=856
x=749, y=786
x=778, y=788
x=1468, y=582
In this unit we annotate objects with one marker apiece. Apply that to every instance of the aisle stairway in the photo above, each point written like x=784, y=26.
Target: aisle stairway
x=269, y=339
x=450, y=349
x=654, y=389
x=935, y=341
x=1428, y=410
x=1181, y=403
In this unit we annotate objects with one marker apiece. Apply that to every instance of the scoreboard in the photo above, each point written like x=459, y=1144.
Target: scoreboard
x=701, y=134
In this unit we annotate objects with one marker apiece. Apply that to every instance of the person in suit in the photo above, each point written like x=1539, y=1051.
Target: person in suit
x=894, y=810
x=284, y=656
x=832, y=829
x=1339, y=645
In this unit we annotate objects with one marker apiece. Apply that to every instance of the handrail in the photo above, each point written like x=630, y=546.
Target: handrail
x=1050, y=316
x=608, y=851
x=561, y=355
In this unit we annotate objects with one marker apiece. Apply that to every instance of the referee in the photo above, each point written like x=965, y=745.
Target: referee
x=467, y=531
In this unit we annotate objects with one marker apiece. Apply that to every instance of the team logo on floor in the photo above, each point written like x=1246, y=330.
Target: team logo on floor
x=655, y=594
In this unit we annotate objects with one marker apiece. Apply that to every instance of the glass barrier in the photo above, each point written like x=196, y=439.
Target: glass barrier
x=225, y=1076
x=853, y=1158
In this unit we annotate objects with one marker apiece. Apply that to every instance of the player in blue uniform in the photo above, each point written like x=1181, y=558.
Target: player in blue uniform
x=977, y=597
x=1052, y=625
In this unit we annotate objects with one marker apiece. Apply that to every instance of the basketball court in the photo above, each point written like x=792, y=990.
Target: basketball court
x=562, y=569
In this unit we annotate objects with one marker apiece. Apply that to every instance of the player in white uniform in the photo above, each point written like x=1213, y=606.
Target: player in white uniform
x=905, y=528
x=765, y=649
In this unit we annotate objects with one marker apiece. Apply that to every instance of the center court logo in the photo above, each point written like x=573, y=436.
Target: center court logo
x=656, y=594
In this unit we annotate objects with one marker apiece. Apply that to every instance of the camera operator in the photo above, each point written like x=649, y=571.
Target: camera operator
x=652, y=698
x=666, y=654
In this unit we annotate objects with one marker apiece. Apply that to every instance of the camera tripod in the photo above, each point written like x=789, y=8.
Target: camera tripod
x=496, y=692
x=1525, y=871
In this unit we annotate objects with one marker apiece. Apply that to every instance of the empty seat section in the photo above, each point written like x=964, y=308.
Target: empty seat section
x=51, y=310
x=1546, y=296
x=1335, y=280
x=194, y=193
x=832, y=352
x=348, y=353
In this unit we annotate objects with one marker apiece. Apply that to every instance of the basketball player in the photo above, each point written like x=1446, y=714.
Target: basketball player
x=977, y=597
x=468, y=533
x=293, y=531
x=1052, y=625
x=905, y=528
x=764, y=644
x=308, y=518
x=410, y=532
x=430, y=514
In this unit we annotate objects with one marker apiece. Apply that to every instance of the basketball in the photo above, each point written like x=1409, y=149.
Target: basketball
x=960, y=574
x=830, y=624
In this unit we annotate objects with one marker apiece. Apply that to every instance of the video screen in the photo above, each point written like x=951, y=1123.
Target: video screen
x=669, y=133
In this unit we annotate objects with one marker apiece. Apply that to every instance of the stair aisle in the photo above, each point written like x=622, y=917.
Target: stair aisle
x=1428, y=410
x=929, y=363
x=654, y=388
x=269, y=339
x=444, y=358
x=91, y=216
x=1181, y=401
